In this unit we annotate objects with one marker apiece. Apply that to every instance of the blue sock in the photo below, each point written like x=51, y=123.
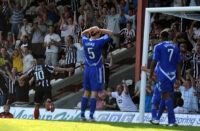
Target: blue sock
x=161, y=109
x=93, y=102
x=84, y=102
x=154, y=113
x=170, y=110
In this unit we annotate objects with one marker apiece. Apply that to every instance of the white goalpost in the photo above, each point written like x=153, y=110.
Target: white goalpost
x=146, y=45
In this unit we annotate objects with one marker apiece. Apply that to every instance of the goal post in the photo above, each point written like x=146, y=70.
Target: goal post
x=147, y=23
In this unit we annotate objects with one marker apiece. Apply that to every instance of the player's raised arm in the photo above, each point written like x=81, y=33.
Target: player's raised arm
x=91, y=29
x=105, y=31
x=63, y=69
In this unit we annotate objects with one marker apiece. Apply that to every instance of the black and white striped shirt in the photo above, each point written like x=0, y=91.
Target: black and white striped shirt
x=70, y=56
x=196, y=64
x=79, y=29
x=11, y=87
x=42, y=74
x=3, y=84
x=126, y=33
x=185, y=63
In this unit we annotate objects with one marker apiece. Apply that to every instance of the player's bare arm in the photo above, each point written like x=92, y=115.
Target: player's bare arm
x=105, y=31
x=63, y=69
x=153, y=65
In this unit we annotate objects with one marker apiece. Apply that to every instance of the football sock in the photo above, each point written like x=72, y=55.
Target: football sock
x=92, y=107
x=170, y=110
x=36, y=113
x=161, y=109
x=84, y=102
x=154, y=113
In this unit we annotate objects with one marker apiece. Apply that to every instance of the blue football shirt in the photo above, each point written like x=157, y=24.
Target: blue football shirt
x=93, y=50
x=168, y=55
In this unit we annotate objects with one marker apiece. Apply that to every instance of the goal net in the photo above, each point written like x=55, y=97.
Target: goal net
x=181, y=12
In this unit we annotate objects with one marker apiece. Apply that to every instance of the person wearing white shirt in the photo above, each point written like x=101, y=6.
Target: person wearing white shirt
x=25, y=29
x=188, y=91
x=27, y=59
x=80, y=56
x=180, y=108
x=52, y=43
x=113, y=24
x=123, y=98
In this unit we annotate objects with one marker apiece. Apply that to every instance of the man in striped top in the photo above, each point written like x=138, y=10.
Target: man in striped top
x=42, y=75
x=17, y=16
x=128, y=35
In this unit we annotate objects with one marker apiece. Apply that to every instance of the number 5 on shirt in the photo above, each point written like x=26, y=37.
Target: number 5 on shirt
x=91, y=53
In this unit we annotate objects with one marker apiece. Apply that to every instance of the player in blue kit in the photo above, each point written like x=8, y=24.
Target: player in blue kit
x=93, y=75
x=168, y=56
x=156, y=95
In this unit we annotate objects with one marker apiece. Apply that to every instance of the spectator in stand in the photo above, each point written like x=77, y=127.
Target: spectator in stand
x=17, y=62
x=194, y=3
x=110, y=102
x=103, y=12
x=11, y=40
x=3, y=24
x=195, y=61
x=5, y=56
x=52, y=11
x=70, y=54
x=131, y=17
x=46, y=20
x=80, y=26
x=123, y=98
x=25, y=29
x=128, y=35
x=39, y=30
x=188, y=90
x=96, y=19
x=3, y=89
x=27, y=59
x=180, y=108
x=6, y=113
x=8, y=48
x=80, y=56
x=100, y=101
x=24, y=42
x=52, y=43
x=194, y=34
x=42, y=8
x=122, y=7
x=113, y=24
x=185, y=56
x=11, y=86
x=67, y=28
x=17, y=16
x=22, y=89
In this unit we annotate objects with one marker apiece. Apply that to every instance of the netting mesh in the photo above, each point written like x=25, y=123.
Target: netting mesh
x=186, y=15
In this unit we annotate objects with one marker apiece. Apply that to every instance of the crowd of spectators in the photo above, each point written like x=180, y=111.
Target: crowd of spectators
x=51, y=30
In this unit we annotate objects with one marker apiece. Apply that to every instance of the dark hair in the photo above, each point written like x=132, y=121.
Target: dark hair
x=164, y=35
x=180, y=102
x=129, y=22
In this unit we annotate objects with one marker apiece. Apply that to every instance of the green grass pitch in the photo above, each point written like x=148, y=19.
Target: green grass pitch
x=43, y=125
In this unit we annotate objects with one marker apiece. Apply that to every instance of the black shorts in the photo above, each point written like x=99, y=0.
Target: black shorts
x=41, y=94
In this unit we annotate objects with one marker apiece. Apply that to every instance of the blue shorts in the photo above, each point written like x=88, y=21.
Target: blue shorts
x=93, y=79
x=156, y=96
x=165, y=85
